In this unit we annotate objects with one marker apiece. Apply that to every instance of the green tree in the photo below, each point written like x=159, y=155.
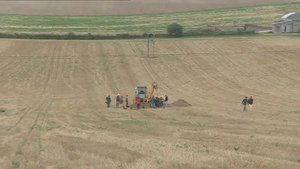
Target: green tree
x=175, y=30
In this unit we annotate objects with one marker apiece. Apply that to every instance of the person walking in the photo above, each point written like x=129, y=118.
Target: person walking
x=108, y=101
x=250, y=103
x=244, y=103
x=118, y=100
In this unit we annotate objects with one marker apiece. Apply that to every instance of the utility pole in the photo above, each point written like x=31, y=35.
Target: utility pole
x=150, y=43
x=153, y=45
x=148, y=46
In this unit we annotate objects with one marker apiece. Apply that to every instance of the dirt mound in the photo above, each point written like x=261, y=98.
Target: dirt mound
x=180, y=103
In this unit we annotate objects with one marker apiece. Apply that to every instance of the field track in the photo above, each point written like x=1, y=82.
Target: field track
x=54, y=7
x=53, y=93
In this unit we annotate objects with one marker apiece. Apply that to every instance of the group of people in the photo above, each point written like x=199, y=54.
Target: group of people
x=119, y=101
x=156, y=102
x=247, y=102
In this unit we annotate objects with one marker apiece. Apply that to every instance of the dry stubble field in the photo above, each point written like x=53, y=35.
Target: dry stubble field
x=117, y=7
x=53, y=93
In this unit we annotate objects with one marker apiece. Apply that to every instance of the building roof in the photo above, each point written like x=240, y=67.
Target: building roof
x=291, y=16
x=283, y=22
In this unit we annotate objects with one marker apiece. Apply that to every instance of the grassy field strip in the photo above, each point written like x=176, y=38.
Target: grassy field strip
x=145, y=23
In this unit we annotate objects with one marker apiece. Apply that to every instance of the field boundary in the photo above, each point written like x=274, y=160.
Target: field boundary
x=89, y=36
x=222, y=20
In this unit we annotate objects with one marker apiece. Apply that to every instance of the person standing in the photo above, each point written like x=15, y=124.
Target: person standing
x=138, y=102
x=156, y=102
x=161, y=101
x=166, y=100
x=126, y=101
x=152, y=102
x=121, y=101
x=244, y=103
x=118, y=100
x=108, y=101
x=250, y=103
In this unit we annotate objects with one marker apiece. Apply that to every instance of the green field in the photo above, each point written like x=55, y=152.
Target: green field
x=137, y=24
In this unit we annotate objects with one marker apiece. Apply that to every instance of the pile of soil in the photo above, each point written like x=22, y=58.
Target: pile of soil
x=180, y=103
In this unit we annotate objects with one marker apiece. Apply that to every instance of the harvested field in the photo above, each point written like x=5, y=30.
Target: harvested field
x=115, y=7
x=55, y=117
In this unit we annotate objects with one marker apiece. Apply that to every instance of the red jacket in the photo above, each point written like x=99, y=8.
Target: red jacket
x=137, y=100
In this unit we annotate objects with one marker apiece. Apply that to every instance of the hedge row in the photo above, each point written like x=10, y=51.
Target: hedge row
x=88, y=36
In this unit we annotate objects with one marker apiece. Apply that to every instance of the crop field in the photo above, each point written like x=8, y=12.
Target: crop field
x=53, y=113
x=120, y=7
x=263, y=15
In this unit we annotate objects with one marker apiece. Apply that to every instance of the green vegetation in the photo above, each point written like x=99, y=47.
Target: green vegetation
x=175, y=30
x=184, y=146
x=139, y=24
x=15, y=164
x=89, y=36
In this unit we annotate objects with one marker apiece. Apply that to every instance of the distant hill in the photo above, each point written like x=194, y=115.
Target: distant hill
x=120, y=7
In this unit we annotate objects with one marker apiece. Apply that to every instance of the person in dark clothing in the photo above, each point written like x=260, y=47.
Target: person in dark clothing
x=118, y=100
x=127, y=101
x=244, y=103
x=166, y=100
x=121, y=100
x=250, y=103
x=156, y=102
x=108, y=101
x=152, y=102
x=161, y=102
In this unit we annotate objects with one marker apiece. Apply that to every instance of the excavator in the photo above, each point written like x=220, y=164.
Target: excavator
x=145, y=94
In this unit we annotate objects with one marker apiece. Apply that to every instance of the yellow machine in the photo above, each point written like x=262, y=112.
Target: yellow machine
x=151, y=90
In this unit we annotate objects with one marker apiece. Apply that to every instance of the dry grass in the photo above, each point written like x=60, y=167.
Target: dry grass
x=54, y=91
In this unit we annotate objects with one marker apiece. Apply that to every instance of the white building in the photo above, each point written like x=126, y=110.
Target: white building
x=288, y=23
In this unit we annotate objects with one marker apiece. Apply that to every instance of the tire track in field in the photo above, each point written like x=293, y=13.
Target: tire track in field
x=27, y=69
x=184, y=70
x=64, y=65
x=38, y=113
x=76, y=58
x=6, y=73
x=123, y=72
x=55, y=69
x=247, y=64
x=205, y=70
x=196, y=72
x=154, y=75
x=47, y=79
x=109, y=79
x=221, y=78
x=241, y=64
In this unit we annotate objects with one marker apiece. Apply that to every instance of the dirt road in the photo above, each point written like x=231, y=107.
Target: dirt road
x=115, y=7
x=53, y=93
